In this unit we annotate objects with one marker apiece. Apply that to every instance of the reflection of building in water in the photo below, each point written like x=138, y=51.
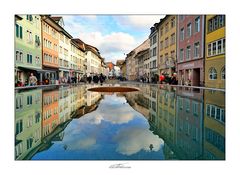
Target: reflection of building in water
x=81, y=90
x=50, y=111
x=153, y=103
x=63, y=104
x=189, y=114
x=214, y=125
x=164, y=124
x=167, y=114
x=92, y=97
x=72, y=99
x=138, y=102
x=28, y=117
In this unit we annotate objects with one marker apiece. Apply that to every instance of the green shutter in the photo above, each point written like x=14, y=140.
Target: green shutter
x=17, y=30
x=20, y=32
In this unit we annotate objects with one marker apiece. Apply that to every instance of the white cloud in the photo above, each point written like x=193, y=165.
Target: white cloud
x=139, y=21
x=132, y=140
x=83, y=143
x=111, y=46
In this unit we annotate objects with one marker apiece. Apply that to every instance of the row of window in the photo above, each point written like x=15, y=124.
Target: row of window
x=172, y=23
x=172, y=41
x=196, y=52
x=20, y=56
x=212, y=73
x=215, y=112
x=216, y=22
x=195, y=106
x=19, y=100
x=29, y=122
x=47, y=100
x=189, y=29
x=215, y=139
x=47, y=114
x=50, y=58
x=216, y=47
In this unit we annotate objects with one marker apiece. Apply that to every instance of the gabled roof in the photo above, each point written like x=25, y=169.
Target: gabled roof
x=80, y=43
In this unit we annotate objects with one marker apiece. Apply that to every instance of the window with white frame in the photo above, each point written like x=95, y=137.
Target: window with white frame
x=197, y=24
x=181, y=55
x=216, y=112
x=19, y=102
x=212, y=73
x=188, y=53
x=196, y=50
x=223, y=73
x=37, y=60
x=182, y=34
x=216, y=47
x=189, y=29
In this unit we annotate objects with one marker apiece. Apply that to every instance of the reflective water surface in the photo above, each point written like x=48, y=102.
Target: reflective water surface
x=156, y=123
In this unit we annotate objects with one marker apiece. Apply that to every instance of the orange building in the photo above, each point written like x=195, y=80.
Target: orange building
x=50, y=111
x=50, y=36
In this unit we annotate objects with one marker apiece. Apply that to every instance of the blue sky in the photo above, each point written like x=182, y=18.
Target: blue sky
x=113, y=35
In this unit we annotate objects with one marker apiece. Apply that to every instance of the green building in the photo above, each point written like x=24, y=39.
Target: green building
x=28, y=119
x=27, y=48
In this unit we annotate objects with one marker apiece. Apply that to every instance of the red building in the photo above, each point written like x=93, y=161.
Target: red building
x=110, y=65
x=190, y=50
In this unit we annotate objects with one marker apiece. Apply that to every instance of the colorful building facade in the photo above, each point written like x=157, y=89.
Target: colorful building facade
x=50, y=38
x=190, y=52
x=28, y=122
x=167, y=46
x=214, y=125
x=27, y=48
x=215, y=51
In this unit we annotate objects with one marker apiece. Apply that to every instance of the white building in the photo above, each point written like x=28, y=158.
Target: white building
x=153, y=50
x=117, y=71
x=93, y=60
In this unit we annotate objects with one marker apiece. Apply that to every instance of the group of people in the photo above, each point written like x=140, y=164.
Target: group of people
x=164, y=78
x=96, y=78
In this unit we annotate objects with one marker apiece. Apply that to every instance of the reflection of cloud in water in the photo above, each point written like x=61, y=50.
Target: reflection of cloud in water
x=132, y=140
x=84, y=143
x=113, y=109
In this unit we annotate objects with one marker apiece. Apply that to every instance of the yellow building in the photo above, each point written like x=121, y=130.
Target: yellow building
x=214, y=125
x=167, y=32
x=215, y=51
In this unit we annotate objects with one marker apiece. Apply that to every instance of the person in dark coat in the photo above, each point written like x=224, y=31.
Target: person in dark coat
x=173, y=79
x=101, y=78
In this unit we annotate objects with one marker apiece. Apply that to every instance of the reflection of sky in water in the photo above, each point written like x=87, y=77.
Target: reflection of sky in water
x=114, y=131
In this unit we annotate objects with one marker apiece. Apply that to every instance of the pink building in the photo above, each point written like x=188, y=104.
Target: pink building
x=190, y=50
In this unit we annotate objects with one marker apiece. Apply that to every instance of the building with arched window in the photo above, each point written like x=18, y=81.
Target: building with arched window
x=215, y=51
